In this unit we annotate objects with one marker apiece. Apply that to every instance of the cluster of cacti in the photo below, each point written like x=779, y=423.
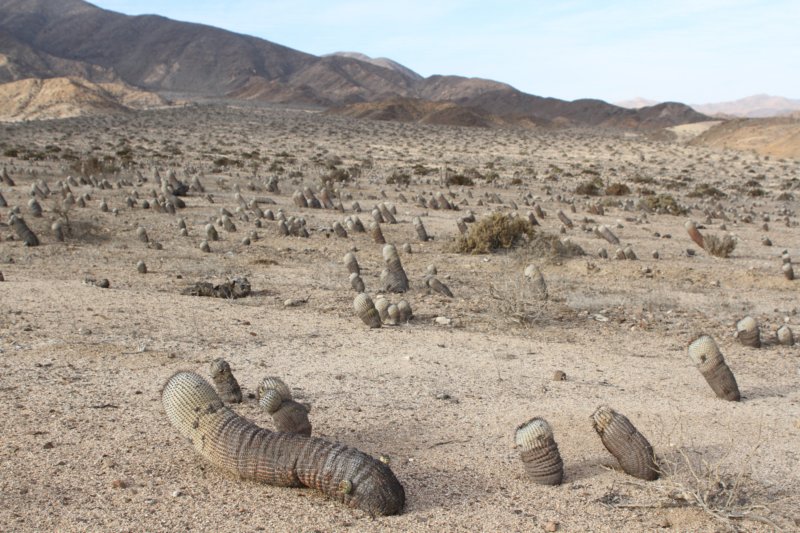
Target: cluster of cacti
x=238, y=446
x=366, y=311
x=288, y=415
x=625, y=253
x=392, y=314
x=393, y=277
x=542, y=460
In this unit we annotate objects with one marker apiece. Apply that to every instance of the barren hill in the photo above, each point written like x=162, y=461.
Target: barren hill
x=69, y=97
x=756, y=106
x=55, y=38
x=421, y=111
x=777, y=137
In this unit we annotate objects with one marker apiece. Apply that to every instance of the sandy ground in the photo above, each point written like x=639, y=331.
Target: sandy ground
x=86, y=445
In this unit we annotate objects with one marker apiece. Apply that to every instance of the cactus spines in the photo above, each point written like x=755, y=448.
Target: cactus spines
x=705, y=354
x=227, y=386
x=25, y=234
x=625, y=443
x=365, y=309
x=238, y=446
x=356, y=283
x=276, y=398
x=785, y=336
x=351, y=263
x=539, y=452
x=395, y=277
x=211, y=233
x=747, y=332
x=376, y=233
x=422, y=235
x=694, y=233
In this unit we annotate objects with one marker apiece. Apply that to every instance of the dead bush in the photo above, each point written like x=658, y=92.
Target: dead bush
x=617, y=189
x=494, y=232
x=719, y=247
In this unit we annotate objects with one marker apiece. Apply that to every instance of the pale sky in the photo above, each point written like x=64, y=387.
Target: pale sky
x=691, y=51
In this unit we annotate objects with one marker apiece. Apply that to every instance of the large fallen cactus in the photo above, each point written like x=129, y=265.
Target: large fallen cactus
x=236, y=445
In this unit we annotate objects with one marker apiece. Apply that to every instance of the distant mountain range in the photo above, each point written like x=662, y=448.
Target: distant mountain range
x=756, y=106
x=72, y=38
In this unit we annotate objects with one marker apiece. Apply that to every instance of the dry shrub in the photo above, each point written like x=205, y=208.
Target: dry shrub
x=719, y=247
x=664, y=203
x=494, y=232
x=550, y=247
x=519, y=300
x=617, y=189
x=590, y=187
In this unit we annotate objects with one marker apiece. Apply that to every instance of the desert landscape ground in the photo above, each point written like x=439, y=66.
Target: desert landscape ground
x=86, y=444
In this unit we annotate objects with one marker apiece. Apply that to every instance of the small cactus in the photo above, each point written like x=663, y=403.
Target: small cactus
x=694, y=233
x=705, y=354
x=539, y=452
x=785, y=336
x=365, y=309
x=226, y=384
x=747, y=332
x=288, y=415
x=623, y=441
x=22, y=230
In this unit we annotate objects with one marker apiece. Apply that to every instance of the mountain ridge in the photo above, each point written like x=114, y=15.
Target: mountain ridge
x=52, y=38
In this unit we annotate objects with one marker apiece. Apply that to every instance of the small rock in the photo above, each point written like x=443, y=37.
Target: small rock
x=119, y=484
x=177, y=493
x=141, y=268
x=294, y=302
x=559, y=375
x=551, y=526
x=48, y=445
x=442, y=321
x=664, y=522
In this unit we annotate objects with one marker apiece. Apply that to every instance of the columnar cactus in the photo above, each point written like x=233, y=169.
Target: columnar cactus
x=539, y=452
x=238, y=446
x=705, y=354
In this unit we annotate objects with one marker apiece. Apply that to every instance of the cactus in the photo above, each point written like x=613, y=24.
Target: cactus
x=141, y=267
x=694, y=233
x=365, y=309
x=376, y=233
x=211, y=233
x=747, y=332
x=565, y=219
x=339, y=230
x=437, y=286
x=785, y=336
x=226, y=384
x=420, y=228
x=534, y=276
x=141, y=234
x=605, y=232
x=25, y=234
x=623, y=441
x=788, y=271
x=276, y=398
x=394, y=277
x=539, y=452
x=709, y=360
x=356, y=283
x=404, y=313
x=239, y=447
x=58, y=230
x=351, y=263
x=35, y=208
x=299, y=200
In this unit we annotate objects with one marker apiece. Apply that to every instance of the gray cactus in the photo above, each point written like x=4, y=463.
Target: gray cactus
x=227, y=386
x=623, y=441
x=539, y=452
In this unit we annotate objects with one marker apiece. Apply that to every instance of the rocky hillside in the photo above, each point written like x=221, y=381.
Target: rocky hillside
x=34, y=99
x=776, y=137
x=55, y=38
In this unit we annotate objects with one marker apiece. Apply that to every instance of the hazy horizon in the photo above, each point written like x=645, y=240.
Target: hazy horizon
x=699, y=52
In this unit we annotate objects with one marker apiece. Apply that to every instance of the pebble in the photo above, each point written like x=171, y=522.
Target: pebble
x=442, y=321
x=551, y=526
x=177, y=493
x=119, y=484
x=559, y=375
